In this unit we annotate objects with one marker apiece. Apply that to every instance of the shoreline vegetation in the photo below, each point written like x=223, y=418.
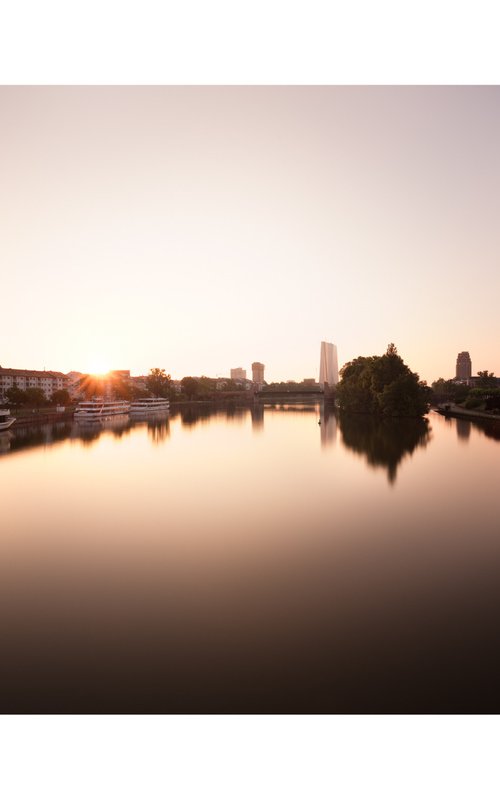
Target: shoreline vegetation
x=382, y=386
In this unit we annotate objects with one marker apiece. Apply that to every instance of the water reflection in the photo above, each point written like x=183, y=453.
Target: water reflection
x=491, y=430
x=257, y=413
x=27, y=436
x=328, y=421
x=190, y=415
x=5, y=440
x=158, y=425
x=464, y=428
x=37, y=435
x=159, y=430
x=384, y=442
x=231, y=572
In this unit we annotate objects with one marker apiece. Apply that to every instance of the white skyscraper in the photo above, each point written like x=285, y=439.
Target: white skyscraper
x=328, y=365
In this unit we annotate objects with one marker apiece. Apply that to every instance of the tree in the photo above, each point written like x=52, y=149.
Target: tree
x=486, y=379
x=449, y=390
x=190, y=386
x=158, y=382
x=16, y=396
x=121, y=390
x=60, y=397
x=382, y=385
x=35, y=397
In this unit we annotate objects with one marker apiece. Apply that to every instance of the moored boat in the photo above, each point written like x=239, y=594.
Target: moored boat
x=100, y=409
x=148, y=405
x=5, y=419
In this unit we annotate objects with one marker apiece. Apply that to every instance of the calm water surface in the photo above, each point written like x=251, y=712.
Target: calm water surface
x=250, y=561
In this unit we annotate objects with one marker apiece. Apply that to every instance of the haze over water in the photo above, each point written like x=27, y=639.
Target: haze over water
x=250, y=561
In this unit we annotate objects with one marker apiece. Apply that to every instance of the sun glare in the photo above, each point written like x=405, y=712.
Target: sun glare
x=98, y=368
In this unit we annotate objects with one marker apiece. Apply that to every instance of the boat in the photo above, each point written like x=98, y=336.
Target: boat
x=148, y=405
x=5, y=419
x=97, y=409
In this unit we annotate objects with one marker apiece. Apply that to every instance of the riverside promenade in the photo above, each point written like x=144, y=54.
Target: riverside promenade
x=452, y=410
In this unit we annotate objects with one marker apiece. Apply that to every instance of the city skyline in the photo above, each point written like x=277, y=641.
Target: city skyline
x=328, y=370
x=187, y=226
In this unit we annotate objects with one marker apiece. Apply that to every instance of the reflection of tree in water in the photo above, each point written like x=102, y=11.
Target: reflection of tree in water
x=87, y=433
x=463, y=429
x=26, y=436
x=190, y=416
x=236, y=413
x=120, y=431
x=490, y=429
x=158, y=430
x=384, y=442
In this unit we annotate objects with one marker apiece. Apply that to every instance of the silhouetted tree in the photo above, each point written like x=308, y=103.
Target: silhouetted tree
x=189, y=386
x=16, y=396
x=60, y=397
x=35, y=397
x=382, y=385
x=486, y=379
x=449, y=390
x=158, y=382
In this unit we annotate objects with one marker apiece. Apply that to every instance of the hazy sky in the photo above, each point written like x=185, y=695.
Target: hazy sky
x=199, y=229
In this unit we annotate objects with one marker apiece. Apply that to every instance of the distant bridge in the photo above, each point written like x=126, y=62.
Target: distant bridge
x=307, y=393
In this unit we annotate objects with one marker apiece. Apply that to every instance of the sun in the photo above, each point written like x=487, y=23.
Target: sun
x=98, y=367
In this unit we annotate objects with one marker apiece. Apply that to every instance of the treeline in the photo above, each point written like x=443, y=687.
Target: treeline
x=484, y=395
x=35, y=398
x=158, y=384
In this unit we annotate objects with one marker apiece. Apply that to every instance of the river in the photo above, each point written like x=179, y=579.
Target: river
x=272, y=560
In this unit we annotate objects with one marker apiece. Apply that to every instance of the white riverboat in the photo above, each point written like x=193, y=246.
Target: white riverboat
x=5, y=419
x=92, y=410
x=149, y=405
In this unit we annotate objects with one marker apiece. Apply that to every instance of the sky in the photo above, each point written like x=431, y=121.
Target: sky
x=202, y=228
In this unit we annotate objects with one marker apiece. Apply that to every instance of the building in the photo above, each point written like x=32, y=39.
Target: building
x=328, y=365
x=238, y=374
x=258, y=373
x=464, y=367
x=48, y=381
x=74, y=385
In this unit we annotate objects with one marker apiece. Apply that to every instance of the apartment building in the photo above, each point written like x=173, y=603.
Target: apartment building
x=47, y=381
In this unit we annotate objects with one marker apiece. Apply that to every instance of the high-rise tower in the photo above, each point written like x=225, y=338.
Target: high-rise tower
x=464, y=366
x=238, y=374
x=328, y=365
x=258, y=373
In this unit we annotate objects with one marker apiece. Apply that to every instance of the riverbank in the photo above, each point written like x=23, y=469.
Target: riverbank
x=40, y=417
x=452, y=410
